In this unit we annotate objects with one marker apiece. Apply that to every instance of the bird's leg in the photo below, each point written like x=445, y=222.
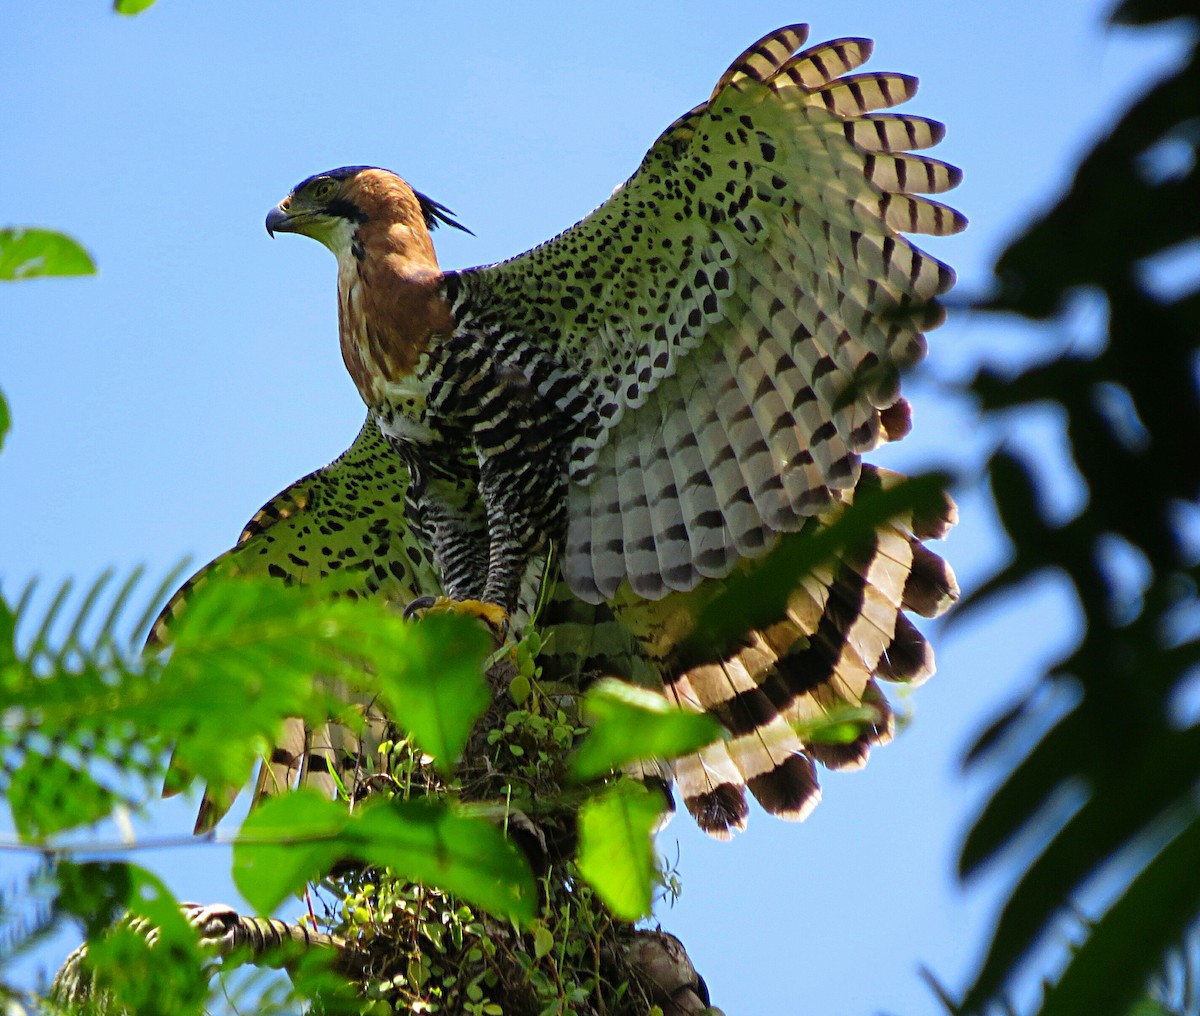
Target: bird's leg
x=525, y=504
x=451, y=517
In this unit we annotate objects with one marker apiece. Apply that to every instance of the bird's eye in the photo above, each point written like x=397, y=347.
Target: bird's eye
x=323, y=190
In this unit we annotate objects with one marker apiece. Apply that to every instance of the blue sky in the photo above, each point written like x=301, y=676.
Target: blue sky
x=157, y=405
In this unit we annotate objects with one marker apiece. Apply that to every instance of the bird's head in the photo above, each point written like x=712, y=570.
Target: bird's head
x=337, y=208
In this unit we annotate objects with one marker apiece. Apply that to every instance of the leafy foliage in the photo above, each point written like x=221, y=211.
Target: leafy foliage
x=294, y=839
x=131, y=6
x=243, y=659
x=27, y=253
x=436, y=692
x=251, y=647
x=628, y=724
x=127, y=965
x=615, y=849
x=1122, y=753
x=68, y=690
x=88, y=720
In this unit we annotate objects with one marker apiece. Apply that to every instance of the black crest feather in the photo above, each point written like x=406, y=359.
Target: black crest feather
x=436, y=212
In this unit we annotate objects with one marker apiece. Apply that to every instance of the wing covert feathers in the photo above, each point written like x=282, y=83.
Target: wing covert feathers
x=749, y=292
x=342, y=529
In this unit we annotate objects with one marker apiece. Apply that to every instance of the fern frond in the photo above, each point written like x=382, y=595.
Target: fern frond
x=154, y=604
x=87, y=722
x=26, y=913
x=39, y=645
x=65, y=636
x=67, y=756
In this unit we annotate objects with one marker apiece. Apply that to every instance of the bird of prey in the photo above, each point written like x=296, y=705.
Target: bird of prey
x=663, y=392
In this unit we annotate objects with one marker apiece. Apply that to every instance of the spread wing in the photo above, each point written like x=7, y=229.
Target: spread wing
x=341, y=528
x=730, y=323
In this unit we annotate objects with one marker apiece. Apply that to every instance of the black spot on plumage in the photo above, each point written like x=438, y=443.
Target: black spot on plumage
x=825, y=365
x=712, y=558
x=826, y=432
x=743, y=414
x=781, y=424
x=746, y=711
x=724, y=454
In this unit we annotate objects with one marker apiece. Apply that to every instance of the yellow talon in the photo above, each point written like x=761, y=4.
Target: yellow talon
x=492, y=614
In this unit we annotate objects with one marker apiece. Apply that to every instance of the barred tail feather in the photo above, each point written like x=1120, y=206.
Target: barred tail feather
x=329, y=758
x=803, y=690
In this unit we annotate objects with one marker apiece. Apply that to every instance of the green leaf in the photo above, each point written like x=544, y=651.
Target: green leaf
x=131, y=6
x=438, y=690
x=543, y=942
x=96, y=893
x=5, y=419
x=294, y=839
x=245, y=655
x=47, y=795
x=1149, y=1007
x=629, y=723
x=1026, y=790
x=26, y=253
x=285, y=843
x=616, y=847
x=438, y=845
x=8, y=636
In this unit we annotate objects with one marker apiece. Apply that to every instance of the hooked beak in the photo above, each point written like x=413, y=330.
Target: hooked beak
x=279, y=221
